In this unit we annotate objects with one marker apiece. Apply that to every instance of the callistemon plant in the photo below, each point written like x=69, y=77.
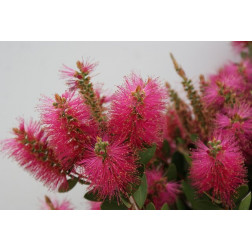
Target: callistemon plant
x=144, y=147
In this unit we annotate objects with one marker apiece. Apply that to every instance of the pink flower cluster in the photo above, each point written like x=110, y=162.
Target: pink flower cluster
x=218, y=167
x=159, y=190
x=104, y=141
x=76, y=143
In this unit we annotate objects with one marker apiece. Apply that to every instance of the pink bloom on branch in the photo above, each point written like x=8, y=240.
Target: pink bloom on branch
x=237, y=121
x=137, y=111
x=68, y=123
x=221, y=87
x=159, y=190
x=218, y=168
x=110, y=166
x=243, y=72
x=54, y=204
x=72, y=76
x=30, y=149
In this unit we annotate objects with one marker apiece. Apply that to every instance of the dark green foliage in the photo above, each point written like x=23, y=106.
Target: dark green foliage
x=69, y=185
x=112, y=205
x=141, y=194
x=150, y=206
x=147, y=154
x=92, y=196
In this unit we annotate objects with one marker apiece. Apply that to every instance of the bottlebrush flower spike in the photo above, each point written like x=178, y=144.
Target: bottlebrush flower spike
x=49, y=204
x=159, y=190
x=68, y=123
x=223, y=88
x=81, y=81
x=30, y=149
x=243, y=73
x=218, y=168
x=110, y=166
x=237, y=121
x=137, y=111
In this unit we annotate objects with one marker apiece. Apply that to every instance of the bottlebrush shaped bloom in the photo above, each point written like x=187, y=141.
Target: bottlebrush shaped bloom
x=68, y=123
x=237, y=121
x=137, y=111
x=54, y=204
x=159, y=190
x=30, y=149
x=222, y=89
x=243, y=70
x=72, y=76
x=218, y=168
x=109, y=166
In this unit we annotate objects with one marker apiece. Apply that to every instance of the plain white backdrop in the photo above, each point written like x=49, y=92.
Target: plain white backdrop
x=30, y=69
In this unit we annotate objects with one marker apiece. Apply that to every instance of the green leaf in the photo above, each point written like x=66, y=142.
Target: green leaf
x=165, y=207
x=112, y=205
x=147, y=154
x=141, y=194
x=179, y=140
x=194, y=137
x=188, y=191
x=203, y=203
x=172, y=172
x=242, y=191
x=125, y=201
x=181, y=163
x=69, y=185
x=150, y=206
x=180, y=205
x=245, y=203
x=166, y=149
x=92, y=196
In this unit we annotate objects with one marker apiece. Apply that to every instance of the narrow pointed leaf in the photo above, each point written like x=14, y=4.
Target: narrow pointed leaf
x=165, y=207
x=150, y=206
x=92, y=196
x=69, y=185
x=141, y=194
x=245, y=203
x=147, y=154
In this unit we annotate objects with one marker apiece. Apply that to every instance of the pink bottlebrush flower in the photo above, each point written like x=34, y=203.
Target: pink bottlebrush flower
x=159, y=190
x=54, y=204
x=243, y=73
x=218, y=168
x=68, y=123
x=30, y=149
x=86, y=67
x=110, y=166
x=73, y=76
x=221, y=88
x=237, y=121
x=95, y=205
x=137, y=111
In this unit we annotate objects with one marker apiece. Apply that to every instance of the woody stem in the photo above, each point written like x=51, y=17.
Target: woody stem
x=133, y=203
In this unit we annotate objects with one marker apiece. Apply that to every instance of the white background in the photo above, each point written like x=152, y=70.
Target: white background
x=29, y=69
